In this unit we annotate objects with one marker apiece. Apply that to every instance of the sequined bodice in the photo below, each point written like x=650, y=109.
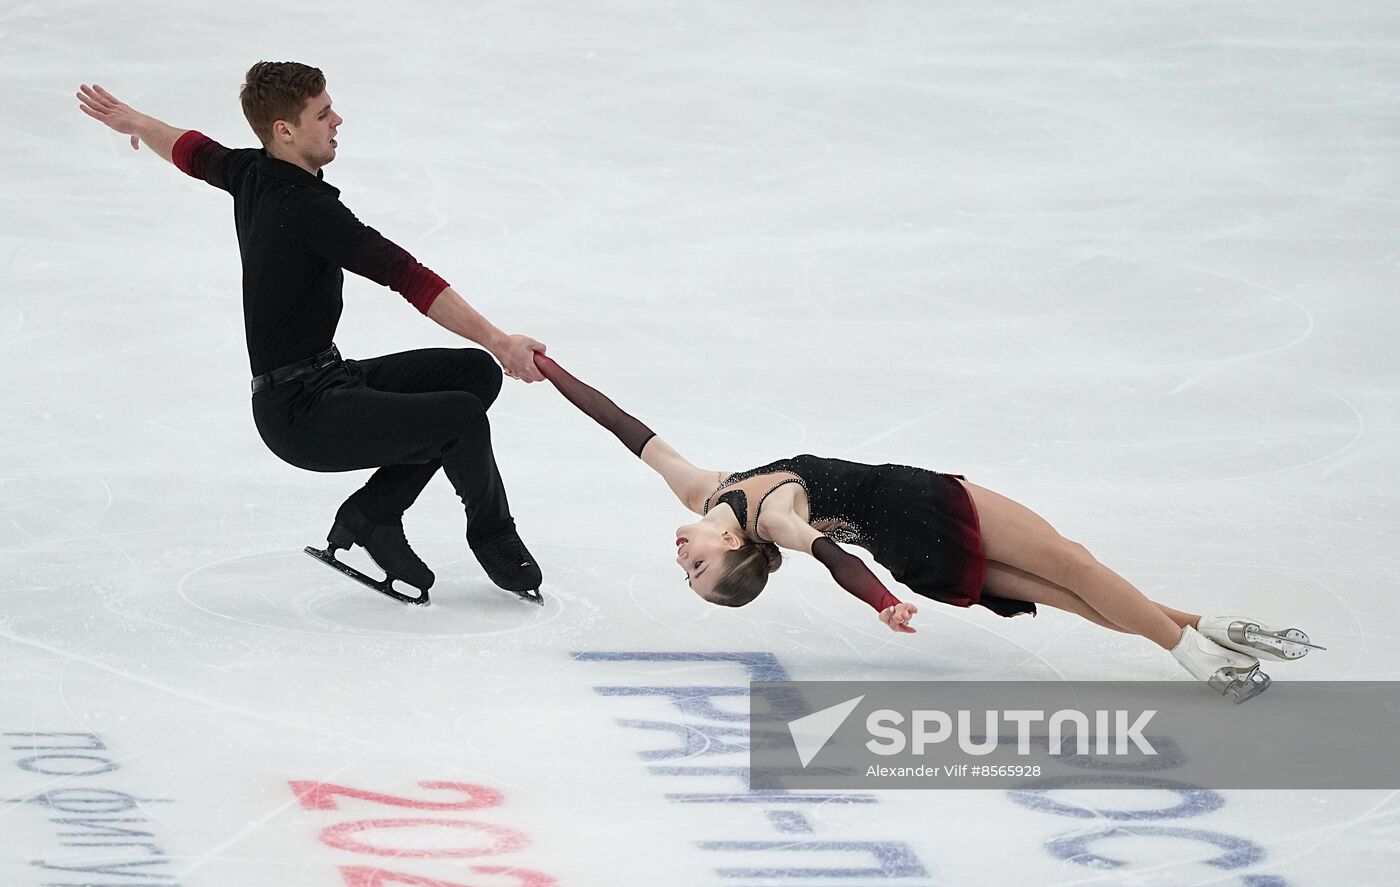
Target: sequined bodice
x=746, y=493
x=920, y=525
x=846, y=500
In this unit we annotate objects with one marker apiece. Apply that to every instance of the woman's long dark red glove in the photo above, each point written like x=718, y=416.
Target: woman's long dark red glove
x=633, y=434
x=851, y=573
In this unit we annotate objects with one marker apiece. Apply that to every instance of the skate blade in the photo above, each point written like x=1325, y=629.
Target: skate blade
x=1241, y=687
x=533, y=596
x=384, y=586
x=1290, y=643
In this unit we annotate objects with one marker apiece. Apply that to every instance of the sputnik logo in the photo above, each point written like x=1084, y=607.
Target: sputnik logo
x=811, y=733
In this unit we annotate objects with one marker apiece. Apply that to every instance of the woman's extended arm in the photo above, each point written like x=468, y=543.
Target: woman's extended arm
x=690, y=484
x=784, y=528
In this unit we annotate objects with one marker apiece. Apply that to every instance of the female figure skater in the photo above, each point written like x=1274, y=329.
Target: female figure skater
x=943, y=537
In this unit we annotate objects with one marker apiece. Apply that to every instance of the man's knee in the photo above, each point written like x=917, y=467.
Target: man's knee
x=469, y=418
x=481, y=375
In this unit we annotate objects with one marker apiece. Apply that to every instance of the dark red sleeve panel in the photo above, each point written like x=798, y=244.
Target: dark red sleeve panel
x=184, y=150
x=197, y=155
x=420, y=287
x=331, y=231
x=851, y=573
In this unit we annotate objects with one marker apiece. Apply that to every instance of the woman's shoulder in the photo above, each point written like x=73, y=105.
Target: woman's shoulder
x=782, y=504
x=758, y=483
x=782, y=517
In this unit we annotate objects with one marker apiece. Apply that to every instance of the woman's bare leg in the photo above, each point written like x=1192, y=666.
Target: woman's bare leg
x=1014, y=535
x=1004, y=580
x=1007, y=581
x=1180, y=617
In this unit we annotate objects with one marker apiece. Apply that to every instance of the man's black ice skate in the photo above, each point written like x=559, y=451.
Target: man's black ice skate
x=510, y=565
x=386, y=545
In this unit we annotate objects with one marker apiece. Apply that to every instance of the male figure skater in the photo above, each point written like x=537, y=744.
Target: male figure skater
x=406, y=414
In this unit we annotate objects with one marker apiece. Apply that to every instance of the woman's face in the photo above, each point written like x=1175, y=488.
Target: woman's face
x=700, y=550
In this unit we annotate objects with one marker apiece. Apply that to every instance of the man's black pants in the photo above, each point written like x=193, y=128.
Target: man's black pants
x=406, y=414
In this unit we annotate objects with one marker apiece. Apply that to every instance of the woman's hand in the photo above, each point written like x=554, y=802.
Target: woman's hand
x=898, y=616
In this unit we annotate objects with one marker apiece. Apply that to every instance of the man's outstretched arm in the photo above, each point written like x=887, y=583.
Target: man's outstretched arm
x=328, y=229
x=516, y=353
x=101, y=105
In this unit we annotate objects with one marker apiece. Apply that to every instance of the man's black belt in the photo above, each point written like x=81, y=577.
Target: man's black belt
x=296, y=370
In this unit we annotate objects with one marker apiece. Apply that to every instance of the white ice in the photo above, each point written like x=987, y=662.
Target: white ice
x=1133, y=264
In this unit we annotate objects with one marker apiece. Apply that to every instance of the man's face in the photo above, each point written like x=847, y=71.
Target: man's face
x=313, y=138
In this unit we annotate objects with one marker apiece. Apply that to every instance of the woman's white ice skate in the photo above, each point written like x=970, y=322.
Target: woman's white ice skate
x=1254, y=638
x=1227, y=672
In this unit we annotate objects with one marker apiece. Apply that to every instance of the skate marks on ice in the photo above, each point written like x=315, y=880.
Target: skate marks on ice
x=1171, y=427
x=42, y=508
x=286, y=590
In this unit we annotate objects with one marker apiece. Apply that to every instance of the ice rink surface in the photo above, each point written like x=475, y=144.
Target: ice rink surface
x=1133, y=264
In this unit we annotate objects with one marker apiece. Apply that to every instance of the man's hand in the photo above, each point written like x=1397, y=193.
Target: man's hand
x=898, y=616
x=101, y=105
x=517, y=357
x=515, y=353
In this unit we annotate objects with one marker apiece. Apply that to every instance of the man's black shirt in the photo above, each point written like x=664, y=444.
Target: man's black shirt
x=294, y=237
